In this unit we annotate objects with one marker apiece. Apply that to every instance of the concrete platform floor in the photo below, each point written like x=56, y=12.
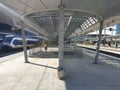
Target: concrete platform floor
x=41, y=73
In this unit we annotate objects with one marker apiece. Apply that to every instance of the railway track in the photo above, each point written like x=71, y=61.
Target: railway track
x=105, y=52
x=8, y=52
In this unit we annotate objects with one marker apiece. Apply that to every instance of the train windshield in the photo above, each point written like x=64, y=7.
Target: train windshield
x=7, y=39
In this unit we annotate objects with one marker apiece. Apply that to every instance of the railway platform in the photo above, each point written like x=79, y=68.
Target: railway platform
x=41, y=73
x=102, y=48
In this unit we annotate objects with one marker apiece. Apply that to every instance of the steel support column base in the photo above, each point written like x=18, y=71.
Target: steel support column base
x=96, y=59
x=61, y=73
x=26, y=62
x=95, y=63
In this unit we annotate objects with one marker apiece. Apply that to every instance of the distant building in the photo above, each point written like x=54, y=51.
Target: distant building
x=117, y=29
x=5, y=28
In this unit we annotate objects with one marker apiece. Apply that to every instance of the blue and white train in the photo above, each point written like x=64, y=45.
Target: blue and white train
x=15, y=42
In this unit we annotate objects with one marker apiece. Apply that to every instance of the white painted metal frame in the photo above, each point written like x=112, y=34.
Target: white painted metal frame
x=24, y=42
x=98, y=43
x=61, y=37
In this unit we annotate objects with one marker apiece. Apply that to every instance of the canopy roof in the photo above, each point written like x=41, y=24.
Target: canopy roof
x=81, y=16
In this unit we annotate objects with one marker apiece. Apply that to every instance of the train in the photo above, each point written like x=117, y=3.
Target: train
x=11, y=42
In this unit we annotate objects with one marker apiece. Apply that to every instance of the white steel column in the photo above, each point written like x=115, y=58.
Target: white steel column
x=61, y=37
x=98, y=43
x=24, y=42
x=61, y=72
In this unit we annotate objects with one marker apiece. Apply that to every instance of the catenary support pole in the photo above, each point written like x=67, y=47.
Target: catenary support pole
x=98, y=43
x=24, y=42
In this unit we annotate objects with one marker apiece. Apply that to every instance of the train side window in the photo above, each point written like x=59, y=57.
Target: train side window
x=17, y=42
x=20, y=42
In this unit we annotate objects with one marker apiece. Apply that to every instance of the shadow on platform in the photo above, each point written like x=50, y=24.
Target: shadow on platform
x=83, y=75
x=42, y=65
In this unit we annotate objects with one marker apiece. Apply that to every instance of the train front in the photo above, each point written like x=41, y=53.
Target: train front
x=6, y=44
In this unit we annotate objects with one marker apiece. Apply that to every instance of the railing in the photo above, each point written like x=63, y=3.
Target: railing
x=52, y=52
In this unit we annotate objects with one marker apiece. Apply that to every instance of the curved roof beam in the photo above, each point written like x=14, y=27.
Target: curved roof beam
x=72, y=14
x=13, y=15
